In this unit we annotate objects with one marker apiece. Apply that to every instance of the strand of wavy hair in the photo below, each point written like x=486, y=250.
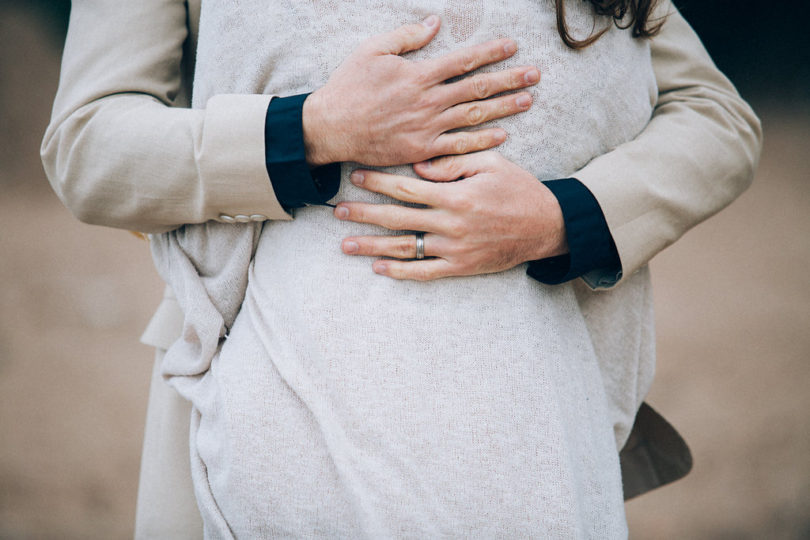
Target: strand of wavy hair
x=635, y=14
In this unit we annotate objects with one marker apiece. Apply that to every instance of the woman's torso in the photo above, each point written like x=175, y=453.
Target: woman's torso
x=464, y=386
x=587, y=103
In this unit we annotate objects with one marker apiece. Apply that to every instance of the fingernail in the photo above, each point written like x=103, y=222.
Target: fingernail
x=427, y=164
x=357, y=178
x=500, y=136
x=523, y=101
x=532, y=76
x=341, y=212
x=431, y=21
x=380, y=268
x=351, y=247
x=509, y=47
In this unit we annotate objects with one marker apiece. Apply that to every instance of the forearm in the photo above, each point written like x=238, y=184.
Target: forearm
x=119, y=154
x=697, y=154
x=591, y=250
x=127, y=161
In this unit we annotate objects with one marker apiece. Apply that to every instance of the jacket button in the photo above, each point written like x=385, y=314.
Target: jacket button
x=241, y=218
x=258, y=217
x=226, y=218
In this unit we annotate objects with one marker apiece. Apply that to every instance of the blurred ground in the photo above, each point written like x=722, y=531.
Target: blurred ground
x=733, y=314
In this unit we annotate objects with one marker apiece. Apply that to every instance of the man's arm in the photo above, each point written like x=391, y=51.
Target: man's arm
x=119, y=154
x=698, y=154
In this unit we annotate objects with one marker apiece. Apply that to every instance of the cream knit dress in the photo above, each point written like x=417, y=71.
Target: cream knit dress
x=332, y=402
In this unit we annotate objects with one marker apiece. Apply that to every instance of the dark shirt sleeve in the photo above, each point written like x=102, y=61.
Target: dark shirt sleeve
x=294, y=182
x=592, y=253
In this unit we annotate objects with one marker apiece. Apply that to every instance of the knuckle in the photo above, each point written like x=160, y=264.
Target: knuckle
x=460, y=145
x=467, y=61
x=464, y=205
x=451, y=200
x=407, y=149
x=422, y=79
x=480, y=86
x=455, y=229
x=475, y=114
x=417, y=149
x=425, y=100
x=507, y=106
x=404, y=248
x=515, y=79
x=455, y=252
x=415, y=141
x=403, y=190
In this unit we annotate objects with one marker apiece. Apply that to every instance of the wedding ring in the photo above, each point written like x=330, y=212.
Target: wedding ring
x=420, y=246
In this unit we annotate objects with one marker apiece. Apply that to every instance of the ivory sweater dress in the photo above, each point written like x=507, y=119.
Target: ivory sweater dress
x=333, y=402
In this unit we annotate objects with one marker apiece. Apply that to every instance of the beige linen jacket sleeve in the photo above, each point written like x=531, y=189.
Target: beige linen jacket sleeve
x=123, y=150
x=697, y=154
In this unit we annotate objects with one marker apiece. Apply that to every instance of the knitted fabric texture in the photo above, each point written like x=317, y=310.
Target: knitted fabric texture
x=332, y=402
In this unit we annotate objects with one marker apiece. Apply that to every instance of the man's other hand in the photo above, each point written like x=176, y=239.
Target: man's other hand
x=380, y=109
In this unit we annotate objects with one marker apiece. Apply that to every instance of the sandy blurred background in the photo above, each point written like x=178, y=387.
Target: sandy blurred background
x=733, y=313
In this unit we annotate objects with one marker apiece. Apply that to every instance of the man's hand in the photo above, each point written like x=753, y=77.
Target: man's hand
x=379, y=109
x=495, y=217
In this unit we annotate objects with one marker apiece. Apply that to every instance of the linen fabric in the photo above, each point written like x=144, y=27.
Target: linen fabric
x=330, y=401
x=166, y=432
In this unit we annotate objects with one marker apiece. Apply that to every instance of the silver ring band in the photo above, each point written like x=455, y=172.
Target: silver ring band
x=420, y=246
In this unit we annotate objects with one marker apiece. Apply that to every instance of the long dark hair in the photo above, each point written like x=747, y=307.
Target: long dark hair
x=637, y=12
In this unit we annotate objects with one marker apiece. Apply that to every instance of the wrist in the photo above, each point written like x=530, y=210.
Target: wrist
x=590, y=243
x=552, y=239
x=317, y=132
x=558, y=243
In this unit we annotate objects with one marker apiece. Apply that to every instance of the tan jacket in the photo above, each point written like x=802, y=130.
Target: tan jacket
x=123, y=150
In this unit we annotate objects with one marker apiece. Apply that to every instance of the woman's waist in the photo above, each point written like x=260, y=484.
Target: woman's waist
x=300, y=276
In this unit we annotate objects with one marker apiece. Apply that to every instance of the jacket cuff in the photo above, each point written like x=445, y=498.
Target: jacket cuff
x=592, y=253
x=295, y=183
x=231, y=160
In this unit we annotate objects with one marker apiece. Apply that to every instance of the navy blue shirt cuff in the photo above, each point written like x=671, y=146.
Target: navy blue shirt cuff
x=591, y=250
x=294, y=182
